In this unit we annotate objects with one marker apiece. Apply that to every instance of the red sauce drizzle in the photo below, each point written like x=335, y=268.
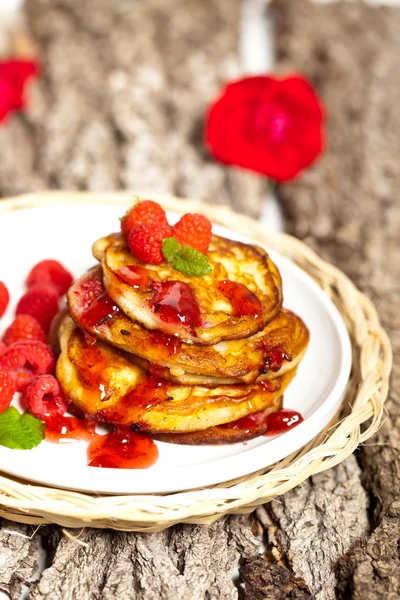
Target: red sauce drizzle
x=174, y=302
x=149, y=393
x=247, y=423
x=273, y=357
x=282, y=421
x=243, y=301
x=277, y=422
x=170, y=343
x=157, y=371
x=137, y=277
x=60, y=428
x=268, y=385
x=122, y=449
x=101, y=310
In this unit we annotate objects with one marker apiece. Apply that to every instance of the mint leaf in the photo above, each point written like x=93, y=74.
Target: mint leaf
x=170, y=246
x=191, y=262
x=20, y=431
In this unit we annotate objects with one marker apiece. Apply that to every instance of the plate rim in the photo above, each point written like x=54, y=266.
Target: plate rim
x=30, y=503
x=223, y=469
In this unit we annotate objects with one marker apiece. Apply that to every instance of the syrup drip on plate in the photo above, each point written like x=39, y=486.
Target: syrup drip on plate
x=60, y=428
x=277, y=422
x=282, y=421
x=122, y=449
x=242, y=300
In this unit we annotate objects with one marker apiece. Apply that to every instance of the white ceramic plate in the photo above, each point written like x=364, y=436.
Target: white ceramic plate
x=66, y=232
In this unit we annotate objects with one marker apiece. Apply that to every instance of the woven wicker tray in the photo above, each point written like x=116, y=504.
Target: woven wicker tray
x=358, y=419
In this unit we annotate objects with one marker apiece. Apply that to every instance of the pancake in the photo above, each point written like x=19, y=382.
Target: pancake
x=261, y=356
x=104, y=383
x=242, y=430
x=239, y=297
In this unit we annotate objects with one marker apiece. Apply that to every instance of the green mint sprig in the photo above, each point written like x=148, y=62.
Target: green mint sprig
x=185, y=259
x=20, y=431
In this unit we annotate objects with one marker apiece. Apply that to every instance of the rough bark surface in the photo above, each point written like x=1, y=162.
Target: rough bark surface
x=185, y=562
x=122, y=100
x=19, y=556
x=347, y=208
x=120, y=104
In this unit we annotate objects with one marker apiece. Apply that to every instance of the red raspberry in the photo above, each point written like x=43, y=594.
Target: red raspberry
x=193, y=231
x=41, y=302
x=7, y=390
x=51, y=272
x=3, y=348
x=24, y=360
x=146, y=212
x=145, y=242
x=44, y=397
x=24, y=327
x=4, y=298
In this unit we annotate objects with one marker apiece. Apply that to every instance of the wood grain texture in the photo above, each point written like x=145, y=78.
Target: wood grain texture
x=347, y=208
x=120, y=105
x=122, y=100
x=19, y=556
x=187, y=561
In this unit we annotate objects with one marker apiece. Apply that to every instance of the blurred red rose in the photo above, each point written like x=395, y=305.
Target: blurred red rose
x=13, y=77
x=268, y=125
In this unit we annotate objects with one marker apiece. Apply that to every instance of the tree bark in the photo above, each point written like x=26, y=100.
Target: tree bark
x=122, y=100
x=120, y=104
x=187, y=561
x=19, y=556
x=347, y=208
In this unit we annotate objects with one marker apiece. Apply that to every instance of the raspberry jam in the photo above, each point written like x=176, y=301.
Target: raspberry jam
x=274, y=357
x=248, y=423
x=149, y=393
x=242, y=300
x=276, y=423
x=174, y=302
x=156, y=371
x=122, y=449
x=60, y=428
x=137, y=277
x=282, y=421
x=101, y=310
x=170, y=344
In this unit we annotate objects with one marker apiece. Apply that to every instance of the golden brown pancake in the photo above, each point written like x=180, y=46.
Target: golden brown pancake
x=276, y=349
x=239, y=297
x=104, y=383
x=242, y=430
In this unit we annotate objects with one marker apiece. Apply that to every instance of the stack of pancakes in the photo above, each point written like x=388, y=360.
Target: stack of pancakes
x=184, y=359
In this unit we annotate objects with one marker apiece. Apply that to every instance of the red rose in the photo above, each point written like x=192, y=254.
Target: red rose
x=268, y=125
x=13, y=77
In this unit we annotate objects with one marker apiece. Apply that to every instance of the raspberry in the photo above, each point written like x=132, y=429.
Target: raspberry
x=51, y=272
x=7, y=390
x=24, y=360
x=194, y=231
x=44, y=397
x=41, y=302
x=144, y=213
x=4, y=298
x=145, y=242
x=3, y=348
x=24, y=327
